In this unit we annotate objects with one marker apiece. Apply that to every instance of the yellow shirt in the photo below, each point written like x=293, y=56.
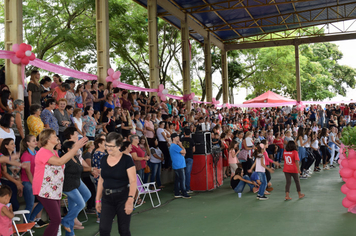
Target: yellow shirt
x=35, y=125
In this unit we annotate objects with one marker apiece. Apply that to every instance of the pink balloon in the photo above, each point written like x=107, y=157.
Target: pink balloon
x=116, y=83
x=110, y=71
x=344, y=189
x=15, y=60
x=116, y=75
x=344, y=179
x=15, y=47
x=354, y=174
x=160, y=87
x=352, y=209
x=23, y=47
x=347, y=203
x=351, y=195
x=108, y=79
x=29, y=47
x=32, y=57
x=351, y=164
x=159, y=94
x=351, y=183
x=352, y=154
x=345, y=163
x=339, y=161
x=20, y=54
x=346, y=172
x=25, y=60
x=163, y=98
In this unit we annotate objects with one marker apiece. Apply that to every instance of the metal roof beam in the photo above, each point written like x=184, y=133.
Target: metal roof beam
x=319, y=39
x=172, y=9
x=219, y=6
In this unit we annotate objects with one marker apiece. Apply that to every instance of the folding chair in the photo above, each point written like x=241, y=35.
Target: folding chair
x=144, y=189
x=65, y=203
x=21, y=229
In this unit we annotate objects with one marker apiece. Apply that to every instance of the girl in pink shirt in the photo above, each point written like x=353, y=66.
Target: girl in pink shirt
x=233, y=161
x=6, y=213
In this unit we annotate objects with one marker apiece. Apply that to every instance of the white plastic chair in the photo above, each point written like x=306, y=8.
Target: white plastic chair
x=21, y=229
x=144, y=189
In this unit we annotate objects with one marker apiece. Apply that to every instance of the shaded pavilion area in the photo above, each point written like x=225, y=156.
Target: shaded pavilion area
x=221, y=212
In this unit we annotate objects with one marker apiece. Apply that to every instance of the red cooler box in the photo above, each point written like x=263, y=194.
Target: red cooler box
x=204, y=174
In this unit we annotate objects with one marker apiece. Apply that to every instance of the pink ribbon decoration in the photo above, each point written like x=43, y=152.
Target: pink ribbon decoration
x=214, y=102
x=300, y=106
x=113, y=77
x=162, y=92
x=188, y=97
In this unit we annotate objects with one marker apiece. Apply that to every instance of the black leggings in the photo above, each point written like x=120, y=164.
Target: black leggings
x=317, y=158
x=163, y=146
x=268, y=176
x=325, y=154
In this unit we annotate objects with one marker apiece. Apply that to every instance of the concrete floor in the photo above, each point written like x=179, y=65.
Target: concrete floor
x=221, y=212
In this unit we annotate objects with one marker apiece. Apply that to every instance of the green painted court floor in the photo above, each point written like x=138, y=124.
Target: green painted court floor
x=221, y=212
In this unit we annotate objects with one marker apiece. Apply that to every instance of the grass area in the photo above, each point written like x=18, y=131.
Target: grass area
x=221, y=212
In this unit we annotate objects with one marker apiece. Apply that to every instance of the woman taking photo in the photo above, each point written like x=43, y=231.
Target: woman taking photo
x=114, y=197
x=34, y=122
x=48, y=178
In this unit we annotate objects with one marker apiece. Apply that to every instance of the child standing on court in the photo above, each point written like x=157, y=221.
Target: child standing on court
x=291, y=168
x=6, y=213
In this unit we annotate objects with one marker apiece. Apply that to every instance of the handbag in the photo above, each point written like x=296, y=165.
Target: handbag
x=147, y=169
x=243, y=155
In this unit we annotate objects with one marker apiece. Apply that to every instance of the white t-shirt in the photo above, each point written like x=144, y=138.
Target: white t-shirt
x=79, y=123
x=4, y=135
x=315, y=144
x=259, y=167
x=249, y=142
x=156, y=151
x=305, y=138
x=160, y=136
x=331, y=135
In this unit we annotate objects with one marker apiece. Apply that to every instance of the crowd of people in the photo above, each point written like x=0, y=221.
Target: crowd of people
x=87, y=142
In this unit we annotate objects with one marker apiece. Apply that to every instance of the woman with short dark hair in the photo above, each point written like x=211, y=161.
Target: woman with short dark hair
x=6, y=122
x=116, y=187
x=47, y=116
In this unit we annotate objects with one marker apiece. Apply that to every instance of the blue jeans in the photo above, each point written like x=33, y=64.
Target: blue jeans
x=188, y=170
x=76, y=202
x=321, y=121
x=327, y=122
x=240, y=187
x=156, y=173
x=334, y=149
x=263, y=185
x=301, y=153
x=279, y=155
x=179, y=182
x=30, y=201
x=140, y=173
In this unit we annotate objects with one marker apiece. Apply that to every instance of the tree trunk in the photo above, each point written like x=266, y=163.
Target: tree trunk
x=218, y=96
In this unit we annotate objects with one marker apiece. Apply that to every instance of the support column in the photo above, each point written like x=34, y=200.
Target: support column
x=13, y=35
x=225, y=84
x=297, y=73
x=102, y=39
x=153, y=43
x=208, y=80
x=186, y=58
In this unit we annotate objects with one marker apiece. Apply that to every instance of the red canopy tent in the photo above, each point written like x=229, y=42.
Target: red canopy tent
x=269, y=97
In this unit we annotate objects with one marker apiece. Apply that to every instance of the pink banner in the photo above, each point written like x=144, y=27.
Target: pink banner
x=62, y=70
x=6, y=54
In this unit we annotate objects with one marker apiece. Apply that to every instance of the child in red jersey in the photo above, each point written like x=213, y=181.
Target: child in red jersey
x=291, y=168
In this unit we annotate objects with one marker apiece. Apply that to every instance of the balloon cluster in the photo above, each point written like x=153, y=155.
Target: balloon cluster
x=300, y=106
x=189, y=97
x=23, y=54
x=162, y=92
x=113, y=77
x=348, y=174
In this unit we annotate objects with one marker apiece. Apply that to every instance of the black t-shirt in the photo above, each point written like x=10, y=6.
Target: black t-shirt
x=188, y=144
x=143, y=101
x=72, y=174
x=234, y=183
x=116, y=176
x=125, y=132
x=275, y=128
x=86, y=156
x=110, y=127
x=328, y=113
